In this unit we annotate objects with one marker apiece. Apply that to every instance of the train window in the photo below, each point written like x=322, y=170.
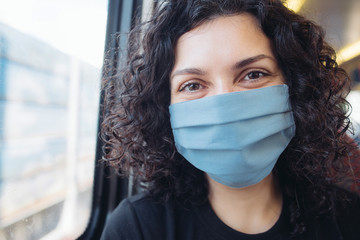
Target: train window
x=50, y=69
x=109, y=188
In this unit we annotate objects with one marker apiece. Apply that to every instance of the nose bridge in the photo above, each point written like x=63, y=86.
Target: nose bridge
x=223, y=84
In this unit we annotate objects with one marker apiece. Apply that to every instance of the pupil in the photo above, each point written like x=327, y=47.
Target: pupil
x=193, y=87
x=254, y=75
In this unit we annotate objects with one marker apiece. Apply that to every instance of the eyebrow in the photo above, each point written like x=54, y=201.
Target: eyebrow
x=240, y=64
x=185, y=71
x=250, y=60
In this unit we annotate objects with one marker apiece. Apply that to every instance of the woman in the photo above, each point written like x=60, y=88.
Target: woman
x=232, y=115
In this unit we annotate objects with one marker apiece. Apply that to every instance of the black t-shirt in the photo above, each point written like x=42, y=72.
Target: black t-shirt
x=141, y=218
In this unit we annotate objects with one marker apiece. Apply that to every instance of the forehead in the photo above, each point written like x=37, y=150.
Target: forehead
x=235, y=36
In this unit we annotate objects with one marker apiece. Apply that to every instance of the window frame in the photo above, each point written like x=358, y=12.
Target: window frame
x=109, y=189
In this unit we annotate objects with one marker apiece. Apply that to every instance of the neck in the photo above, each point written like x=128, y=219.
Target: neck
x=252, y=209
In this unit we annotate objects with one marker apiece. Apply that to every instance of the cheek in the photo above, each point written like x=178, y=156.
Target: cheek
x=280, y=80
x=172, y=100
x=174, y=97
x=172, y=93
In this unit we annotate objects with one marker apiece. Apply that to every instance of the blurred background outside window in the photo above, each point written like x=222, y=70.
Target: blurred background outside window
x=51, y=54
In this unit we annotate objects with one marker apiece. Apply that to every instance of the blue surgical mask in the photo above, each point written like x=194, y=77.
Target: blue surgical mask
x=236, y=138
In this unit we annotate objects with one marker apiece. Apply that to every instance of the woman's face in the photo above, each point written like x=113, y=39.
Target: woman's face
x=223, y=55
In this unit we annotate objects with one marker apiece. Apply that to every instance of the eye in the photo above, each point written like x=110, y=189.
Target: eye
x=190, y=87
x=255, y=75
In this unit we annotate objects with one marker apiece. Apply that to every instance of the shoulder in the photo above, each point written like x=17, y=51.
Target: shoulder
x=136, y=217
x=347, y=213
x=340, y=220
x=346, y=202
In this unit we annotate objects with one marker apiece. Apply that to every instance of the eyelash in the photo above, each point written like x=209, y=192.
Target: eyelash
x=182, y=88
x=262, y=73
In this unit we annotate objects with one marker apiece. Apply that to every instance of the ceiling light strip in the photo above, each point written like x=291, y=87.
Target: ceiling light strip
x=294, y=5
x=348, y=52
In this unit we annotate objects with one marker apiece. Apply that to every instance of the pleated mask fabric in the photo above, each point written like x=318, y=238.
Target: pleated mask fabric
x=236, y=138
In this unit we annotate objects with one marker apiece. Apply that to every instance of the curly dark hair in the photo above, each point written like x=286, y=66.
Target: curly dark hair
x=136, y=127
